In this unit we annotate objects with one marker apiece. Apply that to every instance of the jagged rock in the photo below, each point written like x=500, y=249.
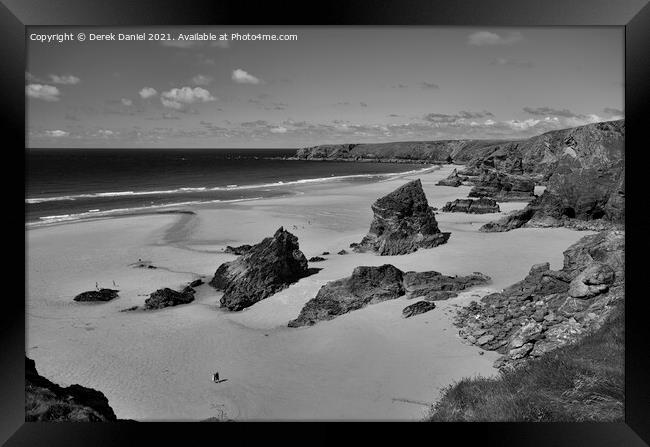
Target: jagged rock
x=367, y=285
x=196, y=283
x=46, y=401
x=483, y=205
x=434, y=286
x=592, y=145
x=166, y=297
x=342, y=252
x=325, y=253
x=503, y=187
x=453, y=180
x=548, y=308
x=97, y=295
x=418, y=308
x=241, y=250
x=316, y=259
x=403, y=222
x=581, y=198
x=592, y=281
x=267, y=268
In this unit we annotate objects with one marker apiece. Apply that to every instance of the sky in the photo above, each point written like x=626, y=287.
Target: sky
x=330, y=85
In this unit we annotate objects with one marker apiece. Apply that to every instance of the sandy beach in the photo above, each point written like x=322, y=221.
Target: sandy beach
x=157, y=365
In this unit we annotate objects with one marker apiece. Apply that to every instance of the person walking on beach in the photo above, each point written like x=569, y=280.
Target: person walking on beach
x=96, y=285
x=215, y=377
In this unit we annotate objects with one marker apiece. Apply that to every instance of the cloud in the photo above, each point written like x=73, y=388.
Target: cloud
x=461, y=116
x=147, y=92
x=56, y=133
x=429, y=85
x=201, y=80
x=177, y=98
x=279, y=129
x=105, y=133
x=44, y=92
x=483, y=38
x=504, y=61
x=64, y=79
x=242, y=77
x=544, y=111
x=127, y=102
x=363, y=104
x=399, y=86
x=613, y=111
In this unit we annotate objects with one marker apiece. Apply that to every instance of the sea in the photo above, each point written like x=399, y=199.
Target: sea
x=71, y=184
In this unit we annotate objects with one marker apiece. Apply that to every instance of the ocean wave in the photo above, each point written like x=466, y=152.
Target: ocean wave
x=110, y=194
x=59, y=218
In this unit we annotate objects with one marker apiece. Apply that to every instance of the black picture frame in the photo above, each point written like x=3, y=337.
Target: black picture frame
x=634, y=15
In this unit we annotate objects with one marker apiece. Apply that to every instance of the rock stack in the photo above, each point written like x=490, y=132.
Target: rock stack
x=403, y=223
x=265, y=269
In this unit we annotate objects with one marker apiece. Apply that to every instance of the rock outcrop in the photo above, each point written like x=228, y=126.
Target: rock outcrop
x=403, y=222
x=504, y=187
x=46, y=401
x=240, y=250
x=369, y=285
x=316, y=259
x=483, y=205
x=583, y=199
x=166, y=297
x=452, y=180
x=548, y=308
x=591, y=146
x=418, y=308
x=97, y=295
x=434, y=286
x=265, y=269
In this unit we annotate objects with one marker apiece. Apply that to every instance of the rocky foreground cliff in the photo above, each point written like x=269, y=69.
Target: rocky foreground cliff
x=46, y=401
x=551, y=308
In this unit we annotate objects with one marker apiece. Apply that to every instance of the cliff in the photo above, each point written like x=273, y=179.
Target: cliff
x=443, y=151
x=46, y=401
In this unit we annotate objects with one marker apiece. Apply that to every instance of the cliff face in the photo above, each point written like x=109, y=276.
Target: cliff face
x=443, y=151
x=591, y=146
x=48, y=402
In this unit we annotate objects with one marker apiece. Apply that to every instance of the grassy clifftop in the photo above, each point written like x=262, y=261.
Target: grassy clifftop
x=580, y=382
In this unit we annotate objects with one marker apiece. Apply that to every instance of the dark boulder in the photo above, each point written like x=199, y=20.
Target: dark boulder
x=46, y=401
x=97, y=295
x=316, y=259
x=196, y=283
x=166, y=297
x=267, y=268
x=418, y=308
x=367, y=285
x=403, y=223
x=483, y=205
x=342, y=252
